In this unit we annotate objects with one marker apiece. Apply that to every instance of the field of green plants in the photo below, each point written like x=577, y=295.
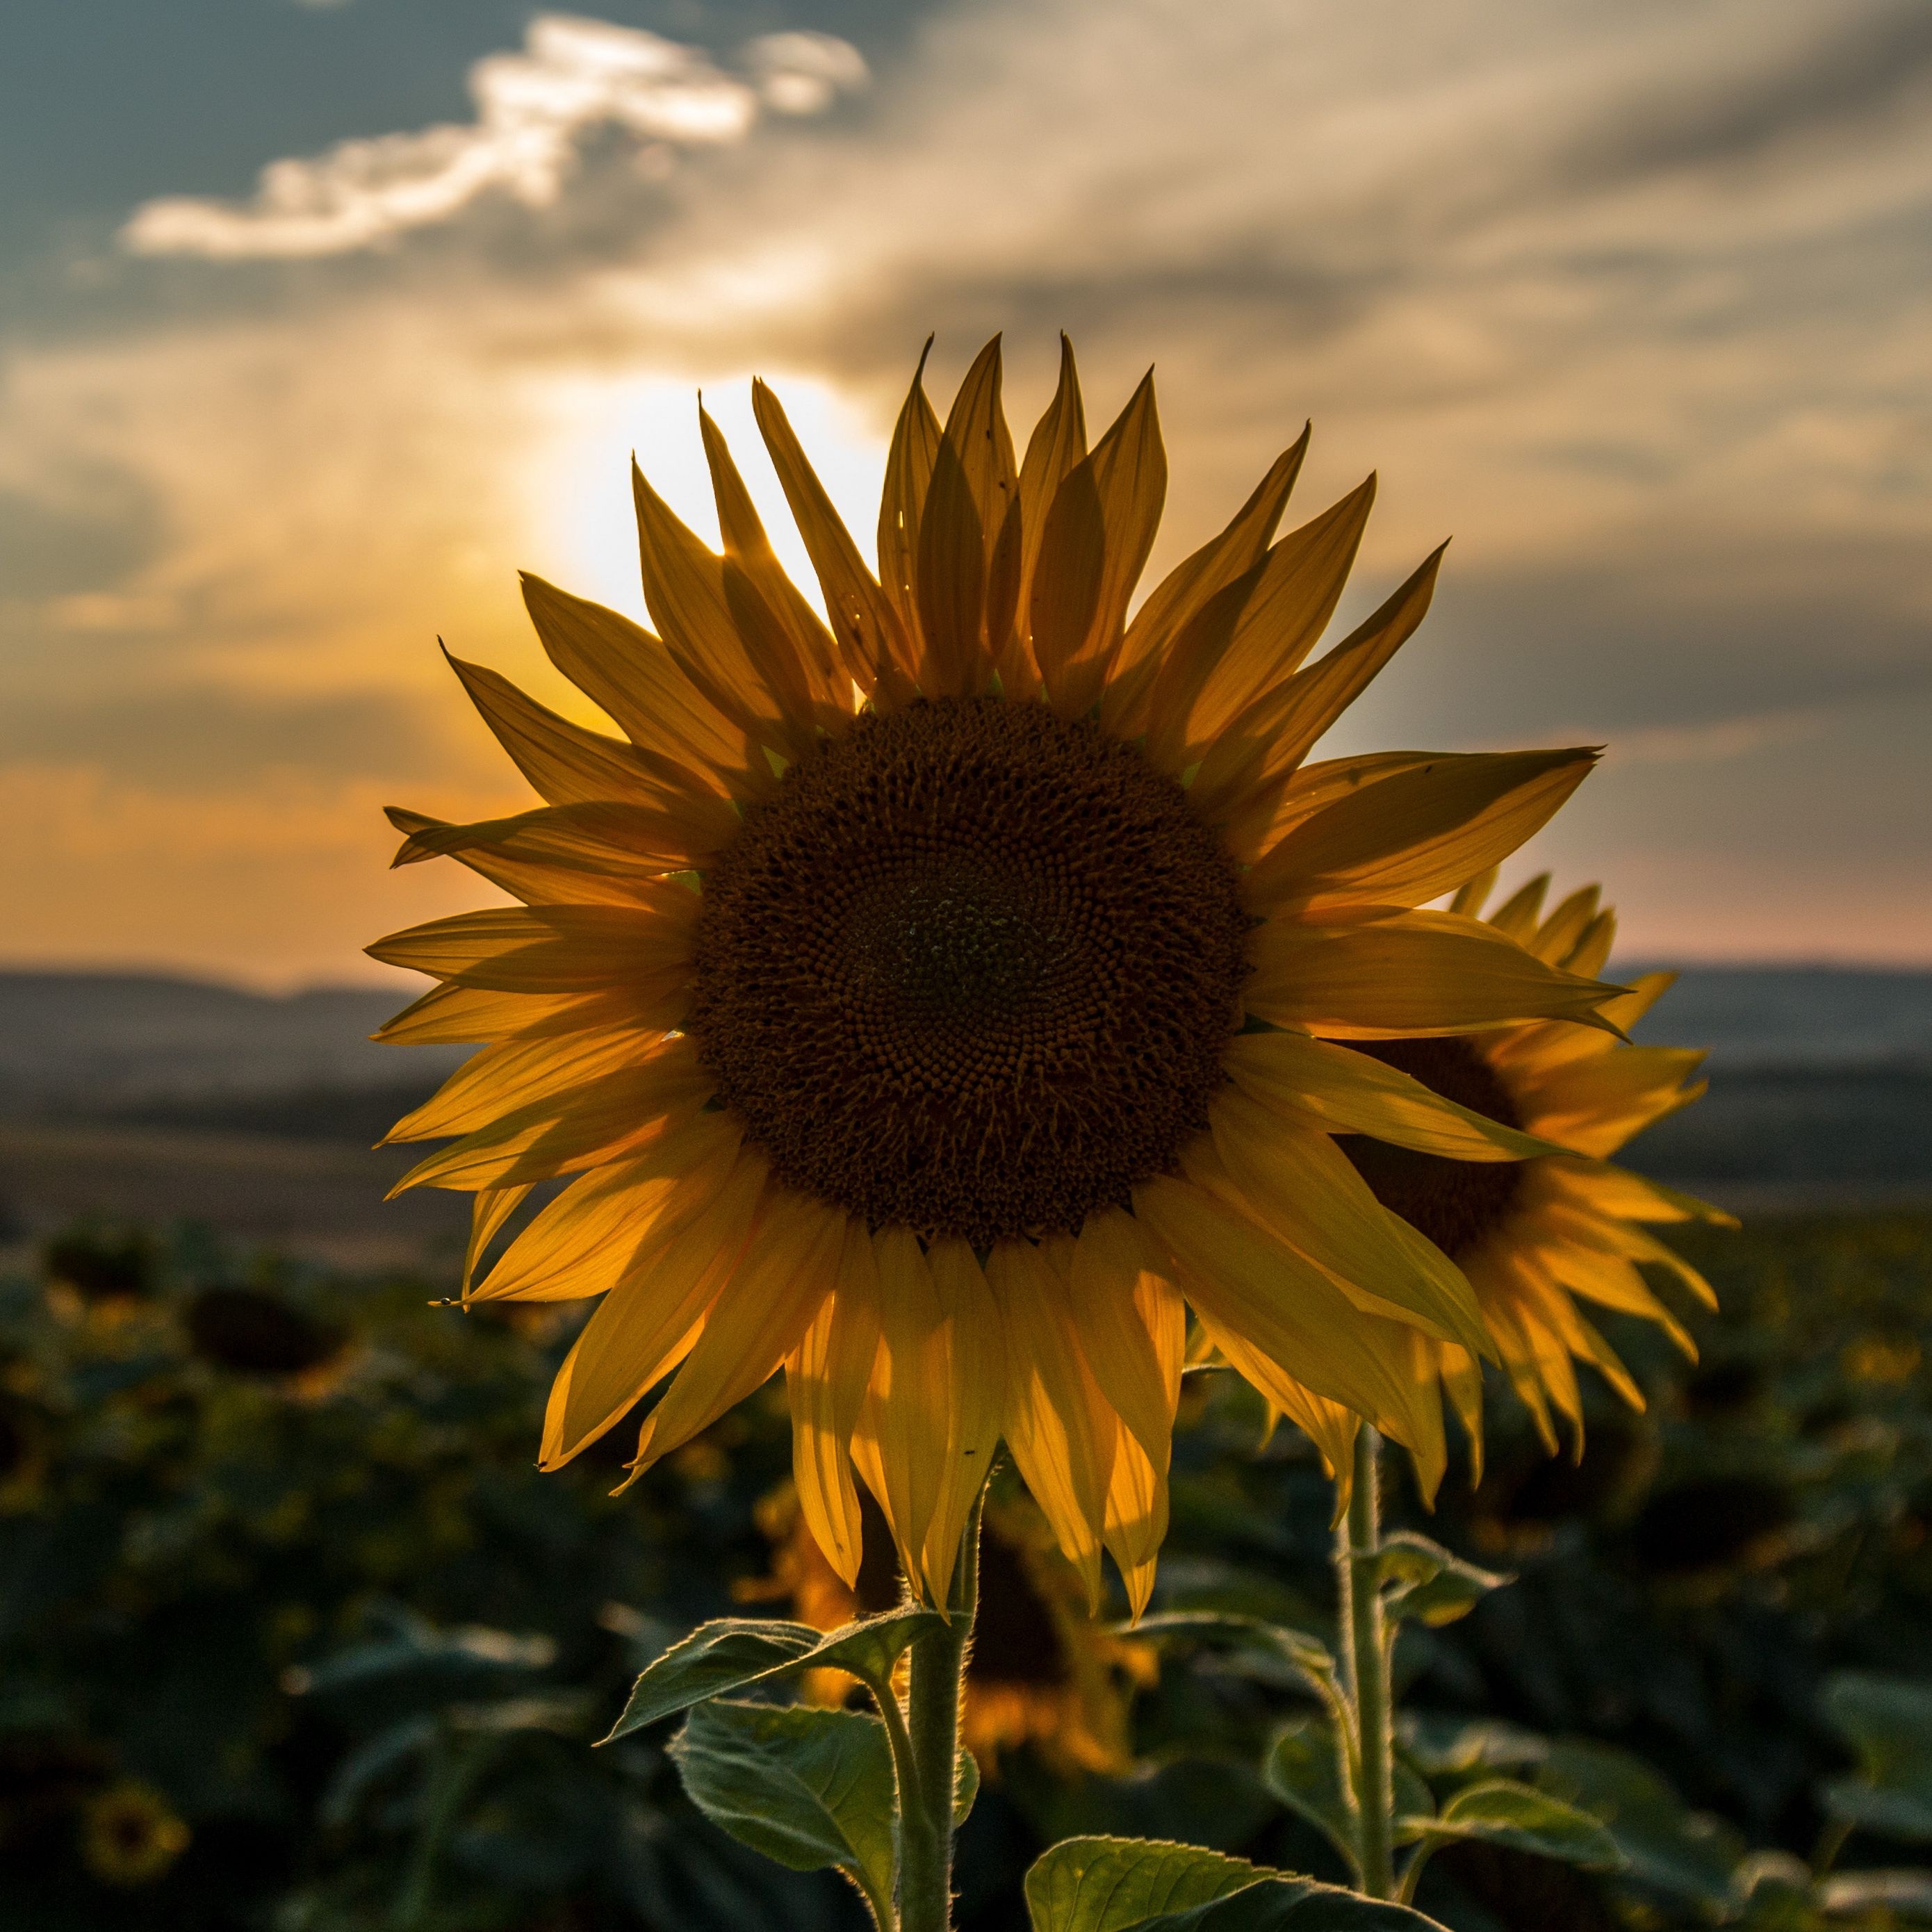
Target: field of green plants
x=293, y=1636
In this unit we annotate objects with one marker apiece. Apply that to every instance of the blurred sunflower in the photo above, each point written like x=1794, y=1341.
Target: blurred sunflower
x=1536, y=1236
x=926, y=1004
x=1041, y=1671
x=130, y=1835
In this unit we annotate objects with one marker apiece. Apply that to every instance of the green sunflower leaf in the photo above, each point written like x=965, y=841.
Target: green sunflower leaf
x=1502, y=1812
x=1684, y=1854
x=808, y=1787
x=965, y=1786
x=1888, y=1722
x=734, y=1653
x=1422, y=1579
x=1303, y=1770
x=1140, y=1885
x=1307, y=1657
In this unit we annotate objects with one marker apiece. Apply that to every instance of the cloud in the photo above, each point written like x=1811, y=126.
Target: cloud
x=1630, y=301
x=533, y=109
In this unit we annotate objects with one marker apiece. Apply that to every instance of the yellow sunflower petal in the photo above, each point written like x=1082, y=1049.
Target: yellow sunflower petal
x=455, y=1015
x=873, y=645
x=1462, y=1383
x=1314, y=787
x=975, y=1404
x=1593, y=1106
x=564, y=763
x=968, y=563
x=1626, y=1196
x=583, y=851
x=588, y=1238
x=552, y=949
x=1560, y=932
x=932, y=1419
x=1299, y=1187
x=1330, y=1426
x=1592, y=951
x=1056, y=448
x=1253, y=1290
x=899, y=1446
x=915, y=448
x=1593, y=1230
x=1135, y=1523
x=1370, y=975
x=1473, y=894
x=519, y=1073
x=1349, y=1093
x=621, y=1111
x=758, y=591
x=644, y=1328
x=1416, y=835
x=826, y=1376
x=1516, y=918
x=1245, y=641
x=1132, y=1326
x=1646, y=991
x=681, y=735
x=1612, y=1281
x=740, y=659
x=1058, y=1433
x=487, y=1213
x=1095, y=544
x=1188, y=586
x=790, y=1265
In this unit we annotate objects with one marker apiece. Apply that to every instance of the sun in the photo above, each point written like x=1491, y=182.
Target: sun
x=581, y=529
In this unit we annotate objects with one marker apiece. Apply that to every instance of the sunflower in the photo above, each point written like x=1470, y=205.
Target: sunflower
x=933, y=1003
x=130, y=1835
x=1536, y=1236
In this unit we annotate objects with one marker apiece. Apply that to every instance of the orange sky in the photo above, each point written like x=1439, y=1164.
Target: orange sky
x=1632, y=303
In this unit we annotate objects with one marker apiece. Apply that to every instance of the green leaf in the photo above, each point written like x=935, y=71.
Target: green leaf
x=1904, y=1893
x=1888, y=1723
x=1140, y=1885
x=1440, y=1745
x=1502, y=1812
x=1414, y=1803
x=1303, y=1770
x=1888, y=1814
x=1308, y=1658
x=734, y=1653
x=965, y=1786
x=1686, y=1854
x=808, y=1787
x=1420, y=1579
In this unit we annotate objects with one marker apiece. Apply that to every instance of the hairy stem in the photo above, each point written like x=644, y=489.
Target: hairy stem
x=1365, y=1656
x=932, y=1723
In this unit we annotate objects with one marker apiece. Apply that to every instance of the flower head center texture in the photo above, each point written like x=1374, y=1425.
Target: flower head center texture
x=1457, y=1203
x=970, y=970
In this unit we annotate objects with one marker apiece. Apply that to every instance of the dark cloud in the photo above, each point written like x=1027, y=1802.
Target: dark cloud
x=1859, y=62
x=1658, y=632
x=100, y=528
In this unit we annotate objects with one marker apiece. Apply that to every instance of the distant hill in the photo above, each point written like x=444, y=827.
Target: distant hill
x=1821, y=1077
x=111, y=1041
x=1814, y=1016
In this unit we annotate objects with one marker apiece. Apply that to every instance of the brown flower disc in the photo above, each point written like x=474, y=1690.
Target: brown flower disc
x=970, y=970
x=1456, y=1203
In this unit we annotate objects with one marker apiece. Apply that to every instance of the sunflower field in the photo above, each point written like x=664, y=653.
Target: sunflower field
x=293, y=1634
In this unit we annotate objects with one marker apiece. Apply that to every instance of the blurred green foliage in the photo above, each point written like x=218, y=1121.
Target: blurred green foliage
x=293, y=1636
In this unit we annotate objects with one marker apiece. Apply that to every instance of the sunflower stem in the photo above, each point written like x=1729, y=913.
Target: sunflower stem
x=1365, y=1663
x=937, y=1679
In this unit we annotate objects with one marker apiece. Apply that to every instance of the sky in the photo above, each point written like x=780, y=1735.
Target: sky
x=317, y=321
